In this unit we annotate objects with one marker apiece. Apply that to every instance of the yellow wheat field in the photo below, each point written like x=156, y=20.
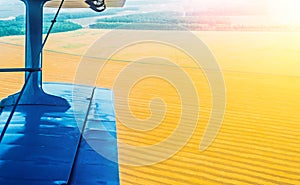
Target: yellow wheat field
x=259, y=142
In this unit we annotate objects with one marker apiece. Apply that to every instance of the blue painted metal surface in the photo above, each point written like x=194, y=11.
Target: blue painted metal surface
x=34, y=93
x=39, y=147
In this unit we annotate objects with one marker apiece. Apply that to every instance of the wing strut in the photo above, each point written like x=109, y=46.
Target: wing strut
x=34, y=62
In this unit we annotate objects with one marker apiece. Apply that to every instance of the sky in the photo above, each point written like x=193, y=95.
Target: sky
x=279, y=11
x=276, y=11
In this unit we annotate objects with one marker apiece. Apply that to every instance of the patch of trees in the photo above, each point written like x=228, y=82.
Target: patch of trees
x=17, y=25
x=152, y=17
x=164, y=21
x=11, y=27
x=142, y=21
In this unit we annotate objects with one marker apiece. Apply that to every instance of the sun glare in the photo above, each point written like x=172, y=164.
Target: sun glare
x=280, y=11
x=285, y=11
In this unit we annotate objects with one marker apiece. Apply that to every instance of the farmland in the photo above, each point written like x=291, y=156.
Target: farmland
x=259, y=139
